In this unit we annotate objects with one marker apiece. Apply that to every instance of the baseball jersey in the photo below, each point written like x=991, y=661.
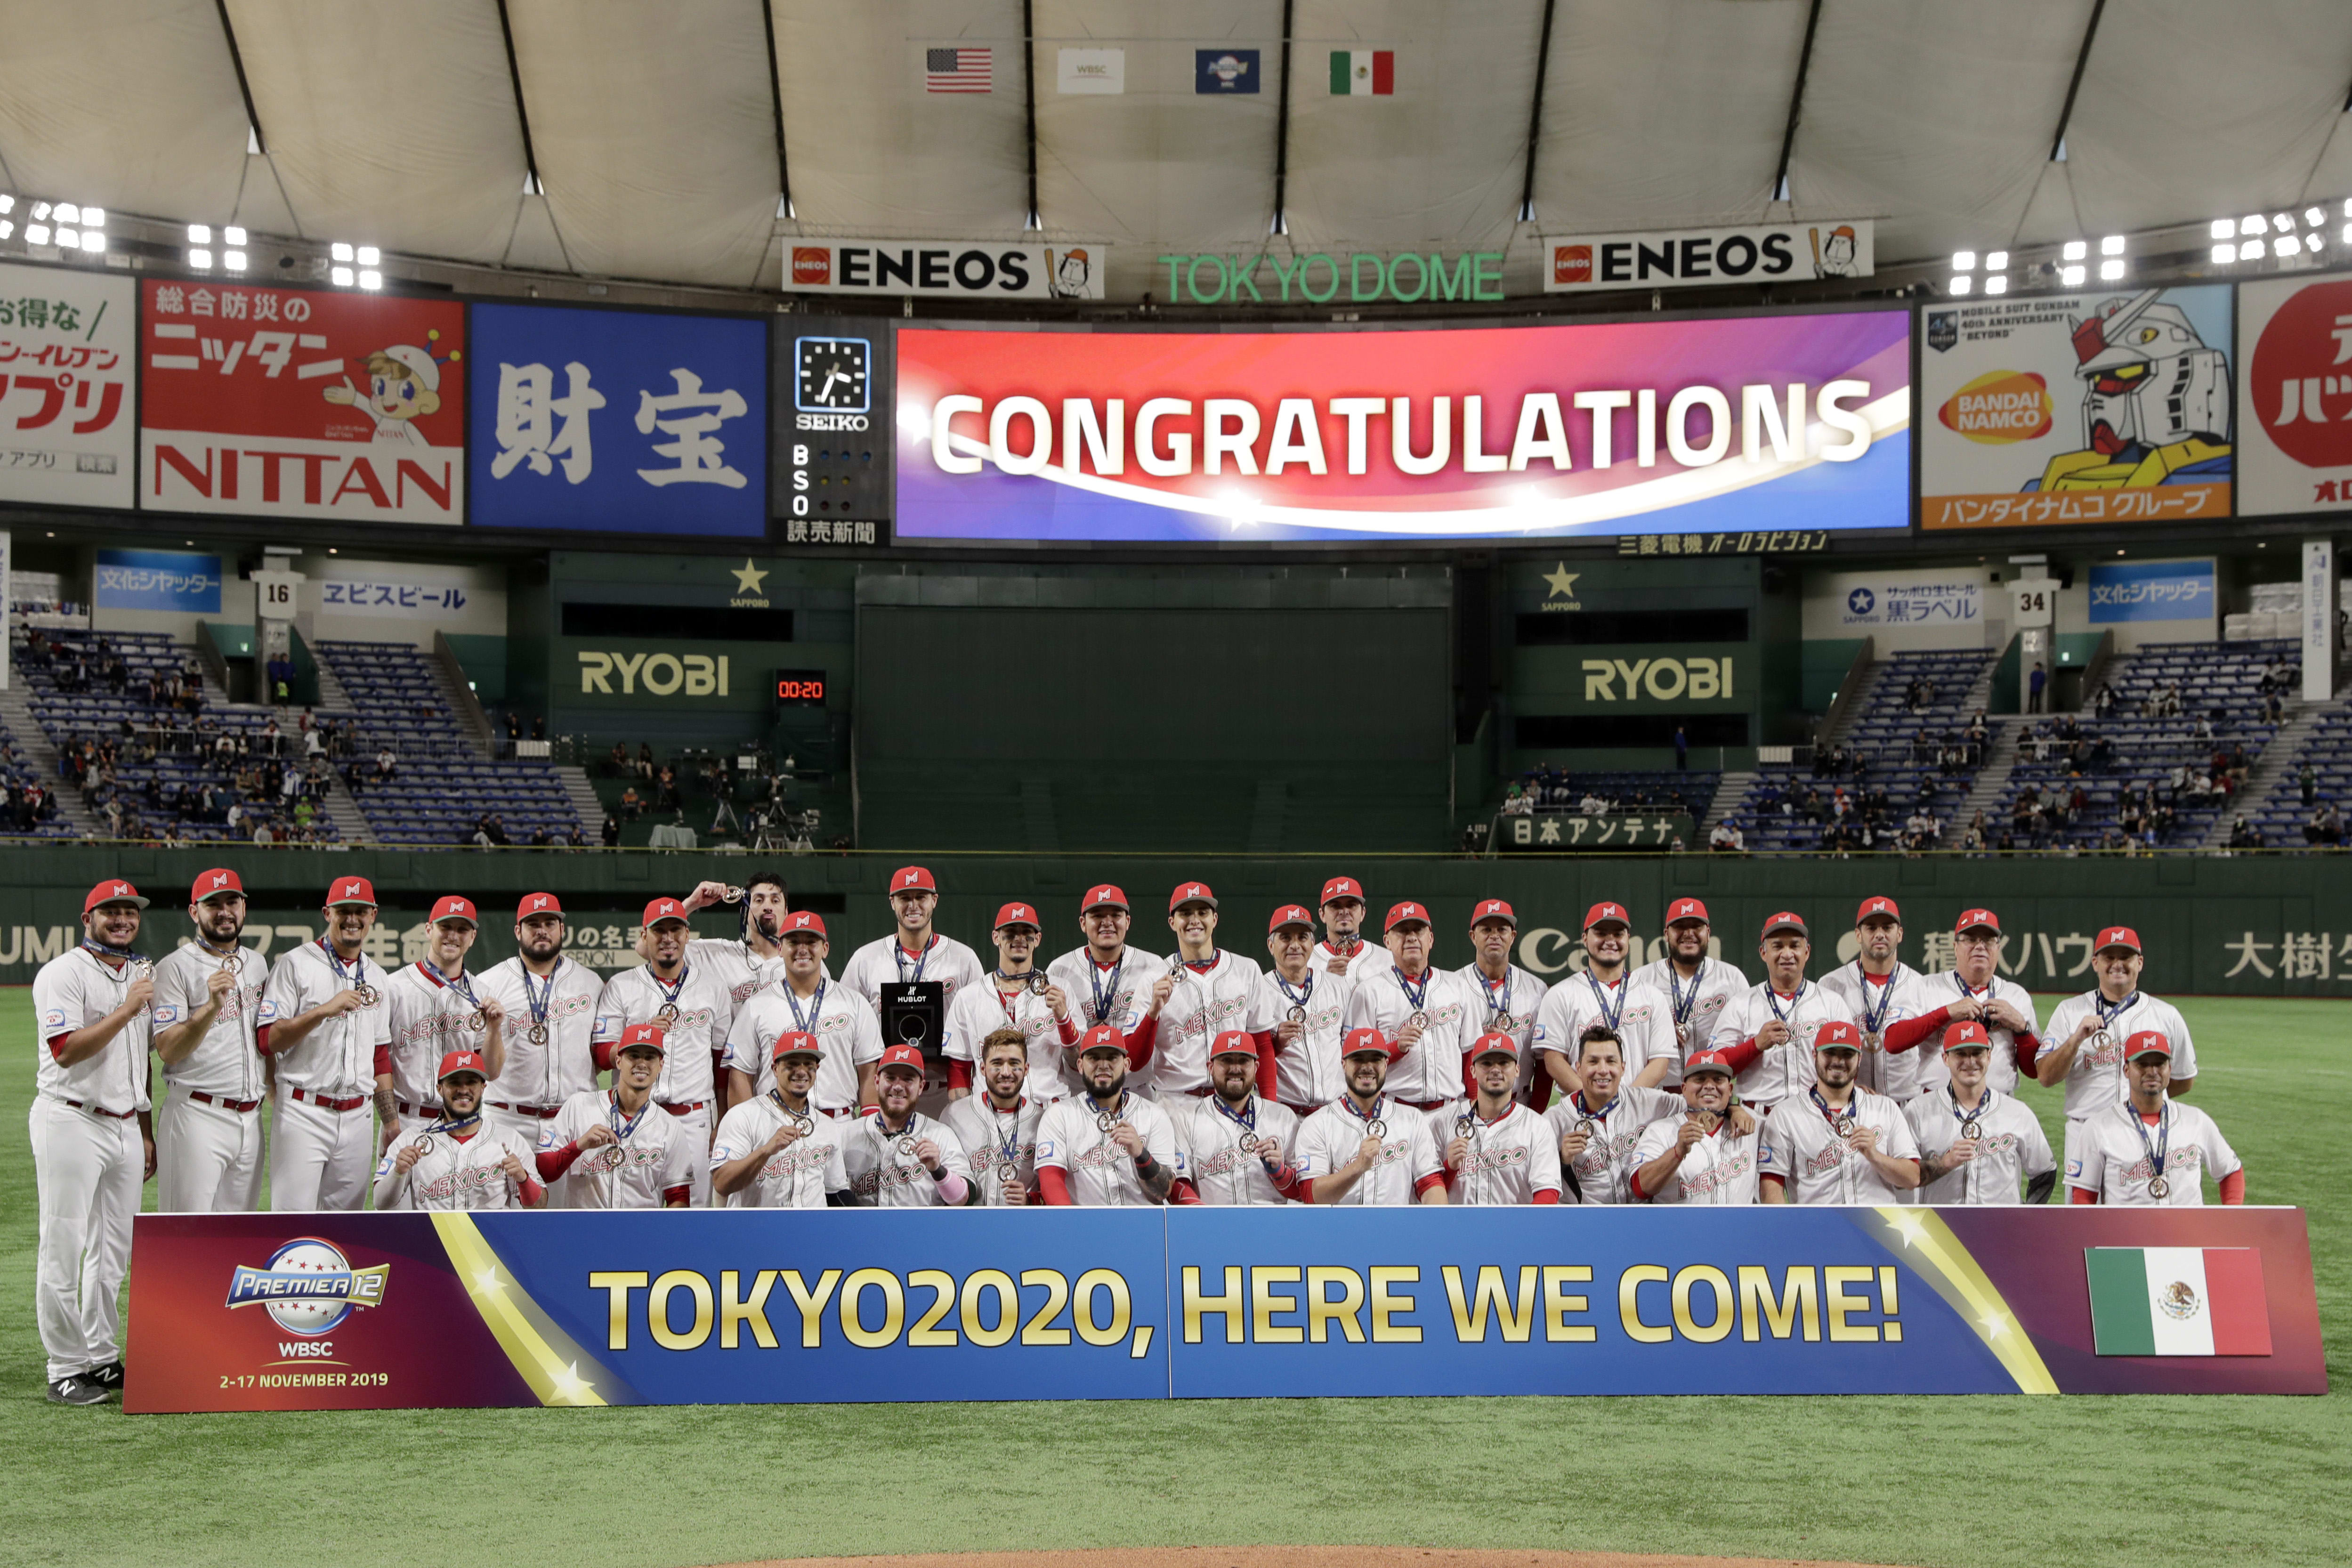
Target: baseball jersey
x=742, y=973
x=845, y=1026
x=1817, y=1166
x=1308, y=1071
x=884, y=962
x=1878, y=1005
x=226, y=1062
x=1431, y=1068
x=1520, y=996
x=1693, y=1005
x=1787, y=1070
x=1099, y=1173
x=653, y=1155
x=71, y=992
x=1509, y=1161
x=1645, y=1019
x=428, y=1017
x=1204, y=1003
x=979, y=1011
x=335, y=1061
x=2112, y=1160
x=1604, y=1171
x=2096, y=1081
x=1327, y=1141
x=565, y=1003
x=995, y=1141
x=797, y=1177
x=635, y=996
x=1369, y=959
x=2009, y=1147
x=1720, y=1168
x=1941, y=990
x=1220, y=1169
x=882, y=1174
x=454, y=1174
x=1117, y=995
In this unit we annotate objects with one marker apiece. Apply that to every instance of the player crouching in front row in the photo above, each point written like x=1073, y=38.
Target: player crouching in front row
x=2150, y=1150
x=1107, y=1148
x=1841, y=1143
x=458, y=1163
x=1707, y=1159
x=898, y=1158
x=1363, y=1147
x=605, y=1147
x=777, y=1151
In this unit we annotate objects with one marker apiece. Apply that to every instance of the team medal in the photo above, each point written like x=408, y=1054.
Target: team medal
x=731, y=896
x=2158, y=1187
x=1971, y=1129
x=1038, y=982
x=666, y=1014
x=1585, y=1127
x=366, y=994
x=1376, y=1127
x=1503, y=1024
x=906, y=1145
x=1416, y=1021
x=536, y=1034
x=1105, y=1121
x=1297, y=1015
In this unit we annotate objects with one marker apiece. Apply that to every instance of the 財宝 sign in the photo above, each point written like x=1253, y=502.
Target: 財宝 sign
x=967, y=268
x=1681, y=258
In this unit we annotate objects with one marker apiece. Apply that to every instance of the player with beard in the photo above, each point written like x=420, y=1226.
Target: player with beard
x=803, y=1001
x=773, y=1151
x=549, y=1004
x=1206, y=991
x=1364, y=1147
x=1703, y=1160
x=1600, y=1125
x=1511, y=995
x=1975, y=1143
x=322, y=1021
x=998, y=1126
x=1297, y=1015
x=1017, y=994
x=1766, y=1032
x=605, y=1149
x=1889, y=1002
x=1232, y=1139
x=897, y=1157
x=1497, y=1150
x=688, y=1004
x=207, y=994
x=914, y=951
x=456, y=1162
x=1604, y=993
x=1430, y=1015
x=1109, y=981
x=1107, y=1147
x=750, y=962
x=1343, y=950
x=1696, y=986
x=1839, y=1143
x=434, y=1011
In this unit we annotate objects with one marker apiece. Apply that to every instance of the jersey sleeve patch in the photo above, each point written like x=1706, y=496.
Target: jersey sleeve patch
x=55, y=1018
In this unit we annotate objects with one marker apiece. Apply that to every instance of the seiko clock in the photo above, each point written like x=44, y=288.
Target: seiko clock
x=834, y=375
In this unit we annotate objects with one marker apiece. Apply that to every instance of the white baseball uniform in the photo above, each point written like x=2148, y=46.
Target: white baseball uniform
x=1307, y=1072
x=1369, y=959
x=208, y=1127
x=1604, y=1171
x=321, y=1137
x=1204, y=1002
x=687, y=1087
x=1720, y=1168
x=1429, y=1071
x=1115, y=994
x=1510, y=1160
x=742, y=973
x=1644, y=1019
x=428, y=1017
x=1518, y=997
x=1099, y=1173
x=2115, y=1155
x=797, y=1177
x=1940, y=991
x=1220, y=1169
x=884, y=963
x=883, y=1173
x=1327, y=1141
x=1693, y=1003
x=2095, y=1080
x=454, y=1173
x=2009, y=1146
x=1817, y=1166
x=88, y=1161
x=540, y=1078
x=996, y=1141
x=1878, y=1003
x=845, y=1024
x=651, y=1157
x=1786, y=1071
x=979, y=1011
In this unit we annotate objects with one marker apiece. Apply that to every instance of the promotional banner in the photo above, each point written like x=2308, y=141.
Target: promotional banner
x=1910, y=601
x=159, y=580
x=1554, y=834
x=1679, y=259
x=619, y=421
x=2152, y=591
x=1753, y=422
x=808, y=1306
x=303, y=403
x=2100, y=407
x=68, y=345
x=952, y=268
x=2294, y=389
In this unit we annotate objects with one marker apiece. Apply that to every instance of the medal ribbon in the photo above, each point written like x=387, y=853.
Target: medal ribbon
x=806, y=1026
x=1772, y=1000
x=1008, y=1148
x=1248, y=1123
x=1011, y=1002
x=1609, y=1016
x=460, y=983
x=1684, y=1006
x=620, y=1129
x=1832, y=1116
x=1970, y=992
x=1348, y=1103
x=1104, y=1000
x=1497, y=1009
x=1297, y=998
x=129, y=956
x=1599, y=1115
x=1873, y=1019
x=669, y=989
x=462, y=1124
x=1983, y=1109
x=1416, y=999
x=357, y=975
x=539, y=1002
x=2108, y=1015
x=2163, y=1144
x=899, y=953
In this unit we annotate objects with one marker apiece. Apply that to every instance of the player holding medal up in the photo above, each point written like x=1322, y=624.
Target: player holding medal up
x=1696, y=986
x=549, y=1004
x=1839, y=1143
x=775, y=1151
x=458, y=1162
x=1497, y=1150
x=609, y=1149
x=1429, y=1015
x=689, y=1005
x=915, y=952
x=1297, y=1016
x=2083, y=1046
x=1108, y=1147
x=1107, y=979
x=1343, y=950
x=1233, y=1140
x=1766, y=1033
x=898, y=1158
x=805, y=1002
x=1974, y=1141
x=1206, y=991
x=322, y=1024
x=432, y=1009
x=1017, y=995
x=1600, y=1125
x=998, y=1126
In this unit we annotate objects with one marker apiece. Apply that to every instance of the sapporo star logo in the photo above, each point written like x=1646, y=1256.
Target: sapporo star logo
x=747, y=577
x=1562, y=581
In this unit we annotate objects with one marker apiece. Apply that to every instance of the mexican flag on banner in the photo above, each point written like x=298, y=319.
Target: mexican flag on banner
x=2178, y=1300
x=1358, y=72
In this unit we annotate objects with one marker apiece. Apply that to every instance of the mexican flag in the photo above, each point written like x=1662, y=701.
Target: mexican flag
x=1358, y=72
x=2178, y=1300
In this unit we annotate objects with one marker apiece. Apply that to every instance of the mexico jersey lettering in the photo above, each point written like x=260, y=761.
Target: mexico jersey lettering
x=1786, y=1071
x=844, y=1022
x=226, y=1062
x=979, y=1011
x=997, y=1142
x=1815, y=1162
x=2110, y=1157
x=1099, y=1173
x=1221, y=1169
x=1307, y=1072
x=1203, y=1005
x=1720, y=1168
x=454, y=1174
x=2009, y=1147
x=1509, y=1159
x=428, y=1017
x=2095, y=1080
x=1431, y=1070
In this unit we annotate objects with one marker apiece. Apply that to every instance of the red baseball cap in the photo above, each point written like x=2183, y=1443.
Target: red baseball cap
x=799, y=1042
x=1102, y=1037
x=453, y=908
x=1103, y=896
x=1494, y=1045
x=1233, y=1043
x=1685, y=909
x=1290, y=915
x=648, y=1034
x=112, y=893
x=1876, y=905
x=1017, y=915
x=351, y=891
x=912, y=878
x=1405, y=914
x=1707, y=1061
x=1368, y=1043
x=2147, y=1042
x=463, y=1061
x=213, y=883
x=1975, y=920
x=532, y=904
x=1494, y=910
x=1191, y=893
x=1605, y=911
x=902, y=1056
x=2116, y=936
x=1837, y=1034
x=1342, y=888
x=807, y=921
x=663, y=910
x=1965, y=1034
x=1785, y=920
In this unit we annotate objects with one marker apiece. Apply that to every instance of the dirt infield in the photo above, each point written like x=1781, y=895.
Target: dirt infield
x=1290, y=1557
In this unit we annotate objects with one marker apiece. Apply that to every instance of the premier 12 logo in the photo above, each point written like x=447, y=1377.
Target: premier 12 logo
x=307, y=1287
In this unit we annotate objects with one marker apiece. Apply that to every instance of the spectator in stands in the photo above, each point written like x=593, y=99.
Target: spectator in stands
x=387, y=766
x=632, y=808
x=1727, y=837
x=2325, y=827
x=666, y=796
x=1516, y=802
x=2036, y=685
x=514, y=725
x=2243, y=834
x=538, y=732
x=2307, y=780
x=645, y=761
x=2273, y=709
x=279, y=671
x=612, y=831
x=617, y=763
x=2102, y=701
x=1682, y=749
x=1592, y=804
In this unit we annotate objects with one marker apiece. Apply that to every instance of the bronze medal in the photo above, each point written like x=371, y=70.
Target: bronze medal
x=1248, y=1143
x=477, y=1020
x=666, y=1013
x=536, y=1034
x=1587, y=1126
x=1376, y=1127
x=906, y=1145
x=1298, y=1016
x=1417, y=1020
x=1105, y=1121
x=1971, y=1129
x=1038, y=982
x=1503, y=1023
x=366, y=994
x=2158, y=1188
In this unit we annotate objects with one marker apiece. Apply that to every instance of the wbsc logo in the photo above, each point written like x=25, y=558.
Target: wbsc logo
x=307, y=1287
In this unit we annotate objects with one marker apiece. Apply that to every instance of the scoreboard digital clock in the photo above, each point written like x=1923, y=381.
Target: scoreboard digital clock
x=800, y=689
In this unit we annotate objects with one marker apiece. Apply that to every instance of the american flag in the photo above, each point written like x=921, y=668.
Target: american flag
x=959, y=70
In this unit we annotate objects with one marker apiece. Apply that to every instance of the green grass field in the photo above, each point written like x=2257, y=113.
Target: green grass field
x=1969, y=1482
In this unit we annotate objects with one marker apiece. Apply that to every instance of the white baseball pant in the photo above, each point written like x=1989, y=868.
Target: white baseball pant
x=208, y=1157
x=321, y=1159
x=695, y=1128
x=89, y=1169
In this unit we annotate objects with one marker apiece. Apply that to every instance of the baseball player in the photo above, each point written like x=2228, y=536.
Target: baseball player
x=458, y=1161
x=1496, y=1148
x=998, y=1126
x=604, y=1149
x=773, y=1152
x=914, y=951
x=1206, y=991
x=1109, y=981
x=208, y=1127
x=1703, y=1158
x=804, y=1002
x=1431, y=1016
x=2149, y=1151
x=899, y=1158
x=1858, y=1149
x=322, y=1022
x=1297, y=1014
x=1510, y=997
x=1107, y=1147
x=1017, y=994
x=1766, y=1032
x=1974, y=991
x=2083, y=1046
x=1343, y=950
x=1600, y=1125
x=432, y=1009
x=1888, y=1001
x=93, y=1149
x=1363, y=1147
x=1697, y=987
x=1607, y=995
x=1975, y=1141
x=689, y=1003
x=547, y=1004
x=1232, y=1139
x=750, y=962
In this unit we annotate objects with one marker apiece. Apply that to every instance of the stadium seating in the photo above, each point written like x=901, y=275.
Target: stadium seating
x=1625, y=790
x=2280, y=818
x=16, y=776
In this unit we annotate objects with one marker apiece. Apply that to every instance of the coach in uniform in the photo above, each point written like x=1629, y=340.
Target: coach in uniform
x=605, y=1150
x=1600, y=1125
x=322, y=1023
x=92, y=1148
x=547, y=1004
x=458, y=1162
x=1767, y=1033
x=899, y=1158
x=1108, y=1147
x=1604, y=993
x=1343, y=950
x=1365, y=1147
x=1698, y=987
x=1975, y=1141
x=1233, y=1140
x=1297, y=1017
x=2083, y=1046
x=1017, y=995
x=773, y=1151
x=1206, y=991
x=1702, y=1160
x=1428, y=1015
x=805, y=1002
x=2150, y=1150
x=1839, y=1143
x=1509, y=997
x=998, y=1126
x=208, y=1127
x=1974, y=991
x=1496, y=1150
x=689, y=1005
x=432, y=1010
x=913, y=952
